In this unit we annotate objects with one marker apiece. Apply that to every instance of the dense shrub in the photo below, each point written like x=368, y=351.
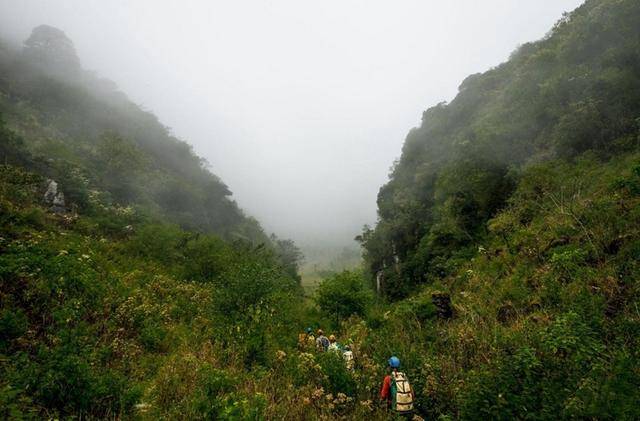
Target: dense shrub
x=573, y=92
x=343, y=295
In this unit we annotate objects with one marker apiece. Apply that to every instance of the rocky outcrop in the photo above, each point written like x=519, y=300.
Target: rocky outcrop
x=54, y=198
x=442, y=302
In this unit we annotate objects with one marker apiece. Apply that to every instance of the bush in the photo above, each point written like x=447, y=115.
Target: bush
x=13, y=324
x=15, y=404
x=419, y=308
x=336, y=377
x=343, y=295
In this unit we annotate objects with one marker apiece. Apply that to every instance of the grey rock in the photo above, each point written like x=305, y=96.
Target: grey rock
x=54, y=198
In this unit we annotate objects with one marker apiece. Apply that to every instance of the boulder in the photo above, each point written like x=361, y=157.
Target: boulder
x=54, y=198
x=442, y=302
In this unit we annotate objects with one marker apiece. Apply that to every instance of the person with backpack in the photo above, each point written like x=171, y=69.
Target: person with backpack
x=311, y=339
x=333, y=344
x=396, y=391
x=322, y=342
x=306, y=340
x=348, y=358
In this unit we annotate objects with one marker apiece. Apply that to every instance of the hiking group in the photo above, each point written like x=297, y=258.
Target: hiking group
x=307, y=341
x=396, y=393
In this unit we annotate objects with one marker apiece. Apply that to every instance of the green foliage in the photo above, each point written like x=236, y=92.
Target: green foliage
x=545, y=323
x=73, y=127
x=15, y=405
x=335, y=376
x=343, y=295
x=519, y=202
x=572, y=92
x=92, y=306
x=119, y=163
x=420, y=309
x=187, y=388
x=13, y=324
x=12, y=148
x=289, y=255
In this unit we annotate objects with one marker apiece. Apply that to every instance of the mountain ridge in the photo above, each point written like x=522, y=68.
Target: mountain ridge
x=573, y=91
x=68, y=114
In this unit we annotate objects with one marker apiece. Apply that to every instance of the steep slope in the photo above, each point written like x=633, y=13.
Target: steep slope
x=108, y=308
x=542, y=321
x=510, y=225
x=148, y=322
x=576, y=90
x=89, y=137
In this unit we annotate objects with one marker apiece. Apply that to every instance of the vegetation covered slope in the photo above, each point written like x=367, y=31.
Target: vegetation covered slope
x=577, y=90
x=110, y=313
x=149, y=322
x=517, y=203
x=147, y=293
x=511, y=222
x=545, y=321
x=88, y=136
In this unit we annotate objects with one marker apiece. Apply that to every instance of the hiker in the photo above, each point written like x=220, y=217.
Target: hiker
x=396, y=391
x=306, y=340
x=322, y=342
x=348, y=358
x=333, y=344
x=311, y=340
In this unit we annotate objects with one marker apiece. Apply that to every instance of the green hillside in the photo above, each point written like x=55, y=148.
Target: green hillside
x=575, y=91
x=506, y=257
x=544, y=319
x=88, y=136
x=131, y=285
x=152, y=321
x=518, y=203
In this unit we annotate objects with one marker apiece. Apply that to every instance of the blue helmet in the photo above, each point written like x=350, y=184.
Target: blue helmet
x=308, y=330
x=394, y=362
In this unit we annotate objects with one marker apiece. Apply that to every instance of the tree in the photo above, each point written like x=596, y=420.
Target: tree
x=289, y=255
x=12, y=147
x=572, y=93
x=343, y=294
x=120, y=162
x=50, y=48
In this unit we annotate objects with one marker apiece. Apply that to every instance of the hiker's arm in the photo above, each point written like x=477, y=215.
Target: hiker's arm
x=386, y=387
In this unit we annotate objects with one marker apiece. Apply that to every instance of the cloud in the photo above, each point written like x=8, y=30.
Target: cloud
x=299, y=106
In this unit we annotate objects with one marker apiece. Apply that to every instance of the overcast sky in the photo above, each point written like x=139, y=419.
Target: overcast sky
x=300, y=106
